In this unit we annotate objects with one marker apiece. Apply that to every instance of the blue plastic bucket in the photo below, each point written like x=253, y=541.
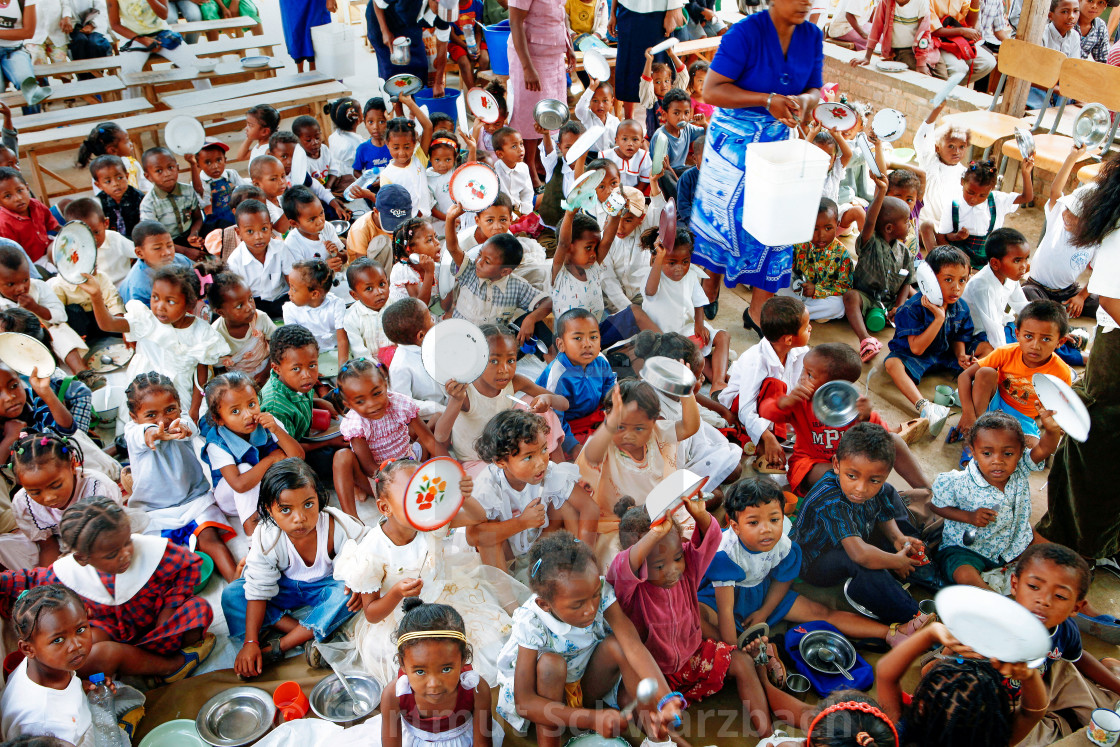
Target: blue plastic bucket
x=496, y=38
x=444, y=104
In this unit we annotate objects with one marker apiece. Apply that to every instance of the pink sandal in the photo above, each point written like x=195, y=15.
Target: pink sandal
x=869, y=347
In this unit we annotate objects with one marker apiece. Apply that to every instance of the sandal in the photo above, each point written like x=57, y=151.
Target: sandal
x=763, y=467
x=900, y=632
x=775, y=669
x=955, y=435
x=869, y=347
x=758, y=630
x=193, y=656
x=966, y=457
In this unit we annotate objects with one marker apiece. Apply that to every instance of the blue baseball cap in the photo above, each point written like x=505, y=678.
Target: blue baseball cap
x=394, y=206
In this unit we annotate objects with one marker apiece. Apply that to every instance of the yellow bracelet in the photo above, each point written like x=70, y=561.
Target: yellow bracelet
x=974, y=9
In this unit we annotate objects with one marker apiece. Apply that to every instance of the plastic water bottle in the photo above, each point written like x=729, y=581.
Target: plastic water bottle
x=472, y=42
x=106, y=733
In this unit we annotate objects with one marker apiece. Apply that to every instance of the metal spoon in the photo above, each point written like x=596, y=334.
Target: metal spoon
x=828, y=656
x=358, y=704
x=647, y=691
x=969, y=536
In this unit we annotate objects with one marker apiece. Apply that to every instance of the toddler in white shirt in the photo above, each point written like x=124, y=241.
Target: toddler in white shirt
x=595, y=108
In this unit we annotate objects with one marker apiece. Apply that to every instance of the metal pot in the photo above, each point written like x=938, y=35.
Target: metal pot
x=834, y=403
x=551, y=114
x=668, y=375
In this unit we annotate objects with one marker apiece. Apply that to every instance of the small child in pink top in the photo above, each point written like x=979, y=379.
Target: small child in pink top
x=655, y=579
x=701, y=111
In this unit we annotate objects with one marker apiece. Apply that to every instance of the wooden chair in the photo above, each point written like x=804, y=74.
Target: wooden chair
x=1080, y=80
x=1017, y=59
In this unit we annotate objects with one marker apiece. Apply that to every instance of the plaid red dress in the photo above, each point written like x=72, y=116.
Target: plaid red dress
x=136, y=622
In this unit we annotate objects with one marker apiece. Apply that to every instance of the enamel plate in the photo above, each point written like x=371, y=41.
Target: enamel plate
x=889, y=125
x=835, y=115
x=584, y=188
x=672, y=492
x=590, y=41
x=74, y=252
x=595, y=65
x=1069, y=410
x=184, y=135
x=432, y=497
x=475, y=186
x=483, y=105
x=927, y=283
x=24, y=354
x=255, y=61
x=868, y=154
x=992, y=625
x=672, y=41
x=890, y=66
x=584, y=143
x=667, y=224
x=657, y=153
x=178, y=733
x=454, y=350
x=404, y=84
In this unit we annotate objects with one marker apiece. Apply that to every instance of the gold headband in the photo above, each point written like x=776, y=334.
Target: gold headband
x=431, y=634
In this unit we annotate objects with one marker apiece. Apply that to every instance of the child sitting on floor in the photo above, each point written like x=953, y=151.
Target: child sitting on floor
x=835, y=521
x=940, y=153
x=115, y=252
x=312, y=305
x=658, y=78
x=595, y=108
x=267, y=173
x=968, y=220
x=406, y=323
x=630, y=155
x=171, y=202
x=785, y=341
x=823, y=267
x=119, y=199
x=513, y=174
x=993, y=494
x=214, y=183
x=259, y=258
x=928, y=336
x=23, y=219
x=369, y=287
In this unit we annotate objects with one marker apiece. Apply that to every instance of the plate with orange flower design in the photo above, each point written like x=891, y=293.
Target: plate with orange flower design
x=432, y=497
x=74, y=252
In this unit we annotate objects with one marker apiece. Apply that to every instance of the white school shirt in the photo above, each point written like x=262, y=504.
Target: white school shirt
x=30, y=708
x=943, y=182
x=324, y=166
x=502, y=503
x=1069, y=45
x=978, y=218
x=266, y=280
x=988, y=301
x=323, y=320
x=589, y=120
x=1105, y=280
x=300, y=248
x=673, y=307
x=258, y=150
x=745, y=376
x=1057, y=263
x=548, y=160
x=408, y=376
x=364, y=330
x=631, y=171
x=115, y=256
x=627, y=264
x=42, y=294
x=343, y=146
x=516, y=183
x=414, y=178
x=275, y=212
x=440, y=187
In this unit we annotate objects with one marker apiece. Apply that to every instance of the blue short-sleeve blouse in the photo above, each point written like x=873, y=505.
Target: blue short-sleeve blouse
x=751, y=56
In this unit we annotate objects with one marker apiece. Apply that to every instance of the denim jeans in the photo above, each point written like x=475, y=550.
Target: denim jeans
x=188, y=11
x=15, y=63
x=326, y=598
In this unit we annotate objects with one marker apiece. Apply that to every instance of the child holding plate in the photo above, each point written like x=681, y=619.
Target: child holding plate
x=395, y=560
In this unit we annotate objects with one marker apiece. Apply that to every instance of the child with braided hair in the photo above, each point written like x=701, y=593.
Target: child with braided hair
x=49, y=469
x=416, y=250
x=846, y=718
x=969, y=217
x=138, y=591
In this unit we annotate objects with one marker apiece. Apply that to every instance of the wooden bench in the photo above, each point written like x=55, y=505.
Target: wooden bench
x=108, y=87
x=94, y=65
x=166, y=77
x=701, y=47
x=265, y=43
x=233, y=26
x=215, y=117
x=240, y=90
x=91, y=113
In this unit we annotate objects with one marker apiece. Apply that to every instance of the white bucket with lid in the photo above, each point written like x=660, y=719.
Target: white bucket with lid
x=782, y=190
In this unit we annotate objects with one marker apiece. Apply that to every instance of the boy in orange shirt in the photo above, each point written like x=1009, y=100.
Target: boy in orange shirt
x=1001, y=380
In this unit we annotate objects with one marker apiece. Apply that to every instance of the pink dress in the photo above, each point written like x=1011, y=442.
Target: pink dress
x=546, y=32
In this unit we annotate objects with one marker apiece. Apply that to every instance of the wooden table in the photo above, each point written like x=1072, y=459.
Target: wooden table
x=90, y=113
x=175, y=78
x=234, y=26
x=240, y=90
x=108, y=87
x=304, y=99
x=104, y=65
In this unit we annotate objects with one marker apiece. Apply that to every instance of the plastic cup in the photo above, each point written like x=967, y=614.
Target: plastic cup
x=320, y=420
x=875, y=320
x=291, y=701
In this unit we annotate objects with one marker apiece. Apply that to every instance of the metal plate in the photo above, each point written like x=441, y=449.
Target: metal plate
x=236, y=717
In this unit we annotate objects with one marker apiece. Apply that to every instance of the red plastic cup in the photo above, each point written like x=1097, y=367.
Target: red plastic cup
x=320, y=420
x=291, y=701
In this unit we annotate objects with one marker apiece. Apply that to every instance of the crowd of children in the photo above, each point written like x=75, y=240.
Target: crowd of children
x=278, y=391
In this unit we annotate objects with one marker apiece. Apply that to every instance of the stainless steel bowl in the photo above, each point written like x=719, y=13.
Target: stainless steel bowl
x=834, y=403
x=550, y=114
x=840, y=646
x=341, y=226
x=1092, y=125
x=668, y=375
x=1025, y=140
x=329, y=700
x=236, y=717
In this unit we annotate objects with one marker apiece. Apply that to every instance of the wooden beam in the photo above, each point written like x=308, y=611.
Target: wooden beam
x=1032, y=24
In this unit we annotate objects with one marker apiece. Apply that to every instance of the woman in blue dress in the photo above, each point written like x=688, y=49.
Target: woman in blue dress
x=765, y=79
x=297, y=17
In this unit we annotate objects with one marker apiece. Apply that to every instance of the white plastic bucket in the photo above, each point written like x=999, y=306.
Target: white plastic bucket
x=334, y=49
x=782, y=190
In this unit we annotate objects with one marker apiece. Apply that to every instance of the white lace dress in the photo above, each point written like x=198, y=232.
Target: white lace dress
x=484, y=596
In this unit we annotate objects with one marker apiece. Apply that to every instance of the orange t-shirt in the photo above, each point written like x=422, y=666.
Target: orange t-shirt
x=1014, y=381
